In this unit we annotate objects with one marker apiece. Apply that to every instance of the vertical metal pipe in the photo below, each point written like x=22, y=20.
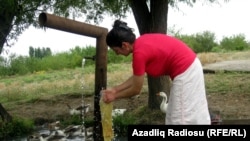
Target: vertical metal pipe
x=99, y=33
x=100, y=79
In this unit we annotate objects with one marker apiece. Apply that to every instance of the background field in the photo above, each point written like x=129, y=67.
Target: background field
x=43, y=95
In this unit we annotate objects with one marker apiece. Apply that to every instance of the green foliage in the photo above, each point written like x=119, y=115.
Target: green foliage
x=218, y=83
x=217, y=49
x=73, y=58
x=113, y=58
x=18, y=64
x=206, y=42
x=76, y=120
x=17, y=127
x=77, y=54
x=89, y=122
x=189, y=40
x=18, y=15
x=235, y=42
x=39, y=52
x=227, y=83
x=121, y=122
x=72, y=120
x=200, y=42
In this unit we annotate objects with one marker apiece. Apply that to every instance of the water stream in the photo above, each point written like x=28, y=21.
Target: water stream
x=77, y=138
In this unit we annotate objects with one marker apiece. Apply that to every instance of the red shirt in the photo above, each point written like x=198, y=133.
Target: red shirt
x=160, y=54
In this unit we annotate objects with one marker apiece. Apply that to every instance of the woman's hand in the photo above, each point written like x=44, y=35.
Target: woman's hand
x=108, y=95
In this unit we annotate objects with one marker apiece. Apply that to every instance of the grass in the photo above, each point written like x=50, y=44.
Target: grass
x=212, y=57
x=224, y=83
x=33, y=86
x=29, y=88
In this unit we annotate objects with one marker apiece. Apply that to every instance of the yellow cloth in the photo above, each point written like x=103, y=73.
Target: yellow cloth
x=107, y=124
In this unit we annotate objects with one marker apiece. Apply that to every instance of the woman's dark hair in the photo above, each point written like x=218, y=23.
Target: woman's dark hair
x=120, y=33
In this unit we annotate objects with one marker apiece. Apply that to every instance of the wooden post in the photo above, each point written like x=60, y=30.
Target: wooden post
x=97, y=32
x=4, y=114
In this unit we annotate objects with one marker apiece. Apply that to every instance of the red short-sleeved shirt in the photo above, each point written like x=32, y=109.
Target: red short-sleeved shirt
x=160, y=54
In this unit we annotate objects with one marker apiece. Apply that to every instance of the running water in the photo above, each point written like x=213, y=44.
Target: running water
x=46, y=131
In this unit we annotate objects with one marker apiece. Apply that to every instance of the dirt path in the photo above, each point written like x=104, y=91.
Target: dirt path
x=232, y=65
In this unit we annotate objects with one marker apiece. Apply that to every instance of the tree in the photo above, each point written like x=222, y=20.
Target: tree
x=234, y=42
x=31, y=51
x=150, y=16
x=39, y=52
x=154, y=14
x=155, y=17
x=200, y=42
x=17, y=15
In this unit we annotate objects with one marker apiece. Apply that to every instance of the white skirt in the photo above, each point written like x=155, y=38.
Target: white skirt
x=187, y=101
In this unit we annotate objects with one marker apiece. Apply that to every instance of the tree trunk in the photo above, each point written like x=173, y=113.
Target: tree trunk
x=152, y=19
x=156, y=85
x=7, y=15
x=4, y=114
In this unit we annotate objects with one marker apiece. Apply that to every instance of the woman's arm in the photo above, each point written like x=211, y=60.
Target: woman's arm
x=129, y=88
x=124, y=85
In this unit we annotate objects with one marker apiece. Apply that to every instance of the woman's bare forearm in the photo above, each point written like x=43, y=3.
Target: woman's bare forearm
x=124, y=85
x=130, y=88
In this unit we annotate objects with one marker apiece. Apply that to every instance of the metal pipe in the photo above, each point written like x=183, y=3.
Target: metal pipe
x=60, y=23
x=68, y=25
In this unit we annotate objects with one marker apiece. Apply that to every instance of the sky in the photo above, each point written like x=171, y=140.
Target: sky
x=224, y=20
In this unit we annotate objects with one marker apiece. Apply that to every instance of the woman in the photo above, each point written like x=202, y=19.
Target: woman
x=159, y=54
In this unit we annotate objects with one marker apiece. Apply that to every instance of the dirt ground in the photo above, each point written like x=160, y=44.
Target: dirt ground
x=230, y=106
x=53, y=108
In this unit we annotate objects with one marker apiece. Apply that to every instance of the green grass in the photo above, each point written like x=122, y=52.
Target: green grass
x=32, y=87
x=223, y=83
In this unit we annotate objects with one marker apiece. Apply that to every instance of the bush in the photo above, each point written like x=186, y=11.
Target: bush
x=200, y=42
x=235, y=42
x=121, y=122
x=17, y=127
